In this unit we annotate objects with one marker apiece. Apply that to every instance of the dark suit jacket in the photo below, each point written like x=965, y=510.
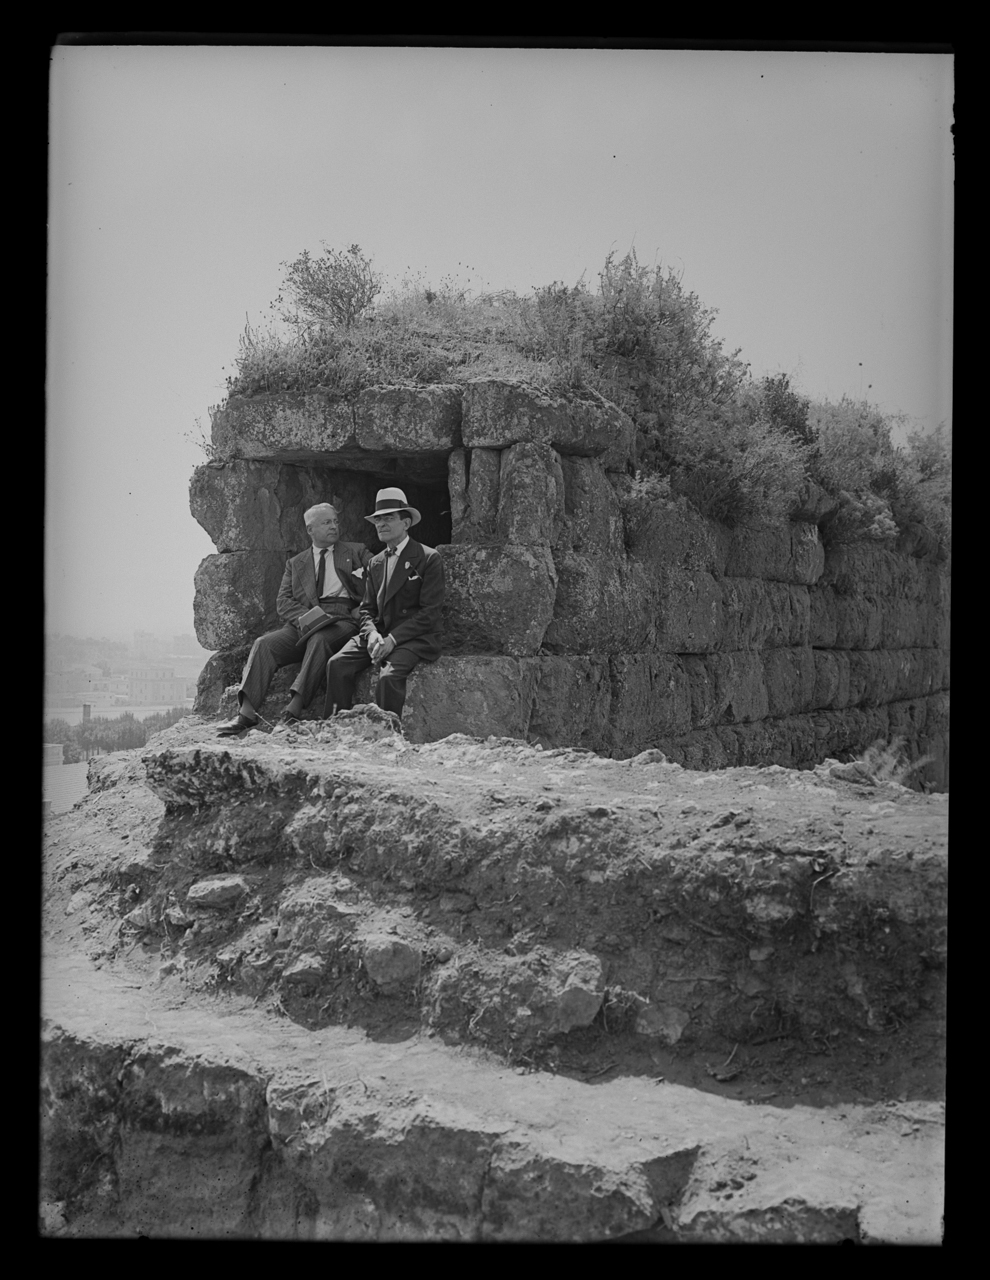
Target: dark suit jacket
x=297, y=594
x=410, y=611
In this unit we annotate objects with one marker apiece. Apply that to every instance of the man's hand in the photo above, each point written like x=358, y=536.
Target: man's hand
x=379, y=647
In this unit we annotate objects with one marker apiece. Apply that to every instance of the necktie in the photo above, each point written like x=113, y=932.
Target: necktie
x=389, y=553
x=321, y=573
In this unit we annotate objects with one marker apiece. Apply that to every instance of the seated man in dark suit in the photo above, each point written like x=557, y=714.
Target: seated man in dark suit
x=317, y=602
x=400, y=614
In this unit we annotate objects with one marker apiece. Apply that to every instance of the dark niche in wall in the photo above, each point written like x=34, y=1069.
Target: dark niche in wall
x=352, y=483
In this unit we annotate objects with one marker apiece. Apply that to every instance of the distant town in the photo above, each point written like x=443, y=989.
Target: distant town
x=153, y=671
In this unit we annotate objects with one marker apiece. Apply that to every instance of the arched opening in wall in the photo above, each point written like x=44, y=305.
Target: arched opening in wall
x=352, y=483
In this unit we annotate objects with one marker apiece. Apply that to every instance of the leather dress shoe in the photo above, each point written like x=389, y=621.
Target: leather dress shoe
x=235, y=727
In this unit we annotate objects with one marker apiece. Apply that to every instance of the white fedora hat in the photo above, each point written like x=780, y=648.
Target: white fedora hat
x=387, y=500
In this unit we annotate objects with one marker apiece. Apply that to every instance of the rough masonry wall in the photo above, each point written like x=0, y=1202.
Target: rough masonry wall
x=571, y=618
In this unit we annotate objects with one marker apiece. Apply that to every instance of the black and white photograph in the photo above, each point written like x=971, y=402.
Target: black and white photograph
x=496, y=640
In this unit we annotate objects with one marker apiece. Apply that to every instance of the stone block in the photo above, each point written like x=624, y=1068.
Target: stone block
x=601, y=606
x=218, y=891
x=391, y=961
x=498, y=599
x=571, y=702
x=479, y=510
x=689, y=612
x=307, y=426
x=858, y=622
x=578, y=997
x=237, y=504
x=221, y=671
x=235, y=597
x=831, y=679
x=284, y=426
x=758, y=614
x=710, y=679
x=789, y=674
x=668, y=533
x=908, y=719
x=527, y=495
x=866, y=672
x=807, y=554
x=651, y=701
x=760, y=553
x=797, y=620
x=259, y=506
x=590, y=513
x=457, y=481
x=744, y=688
x=824, y=617
x=875, y=569
x=408, y=419
x=472, y=695
x=502, y=412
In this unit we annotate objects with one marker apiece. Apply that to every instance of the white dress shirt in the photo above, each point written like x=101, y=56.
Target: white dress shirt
x=332, y=585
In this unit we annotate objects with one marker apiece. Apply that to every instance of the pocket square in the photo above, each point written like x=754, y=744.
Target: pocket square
x=359, y=573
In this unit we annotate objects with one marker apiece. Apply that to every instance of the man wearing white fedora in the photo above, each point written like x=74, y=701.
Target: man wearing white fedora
x=400, y=624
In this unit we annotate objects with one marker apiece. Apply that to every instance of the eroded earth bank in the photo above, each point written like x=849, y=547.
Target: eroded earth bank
x=329, y=983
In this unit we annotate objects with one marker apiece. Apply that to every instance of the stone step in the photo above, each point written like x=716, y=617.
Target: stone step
x=214, y=1120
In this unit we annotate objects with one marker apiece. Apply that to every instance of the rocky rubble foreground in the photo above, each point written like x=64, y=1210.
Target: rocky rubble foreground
x=328, y=983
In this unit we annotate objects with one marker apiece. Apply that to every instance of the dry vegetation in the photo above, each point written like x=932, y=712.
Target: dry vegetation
x=740, y=450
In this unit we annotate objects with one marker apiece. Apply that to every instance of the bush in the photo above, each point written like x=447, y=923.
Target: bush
x=641, y=340
x=784, y=409
x=852, y=447
x=333, y=290
x=739, y=451
x=860, y=516
x=923, y=489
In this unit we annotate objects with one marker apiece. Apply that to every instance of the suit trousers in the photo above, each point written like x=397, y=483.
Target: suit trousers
x=353, y=658
x=281, y=649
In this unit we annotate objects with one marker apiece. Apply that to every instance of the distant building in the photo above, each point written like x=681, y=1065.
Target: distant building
x=71, y=687
x=151, y=685
x=52, y=753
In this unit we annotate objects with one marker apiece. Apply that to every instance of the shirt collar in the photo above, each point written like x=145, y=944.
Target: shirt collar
x=401, y=545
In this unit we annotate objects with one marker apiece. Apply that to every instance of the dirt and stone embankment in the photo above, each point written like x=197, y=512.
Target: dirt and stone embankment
x=577, y=614
x=336, y=984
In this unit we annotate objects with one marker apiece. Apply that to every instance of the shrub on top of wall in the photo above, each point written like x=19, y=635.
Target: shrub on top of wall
x=737, y=449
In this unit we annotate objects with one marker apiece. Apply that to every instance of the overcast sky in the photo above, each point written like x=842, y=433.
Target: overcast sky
x=805, y=196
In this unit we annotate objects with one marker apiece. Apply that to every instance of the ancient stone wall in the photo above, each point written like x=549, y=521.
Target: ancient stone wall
x=577, y=615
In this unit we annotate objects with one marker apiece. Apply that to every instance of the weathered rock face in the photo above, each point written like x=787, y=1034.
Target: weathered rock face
x=269, y=962
x=716, y=646
x=508, y=917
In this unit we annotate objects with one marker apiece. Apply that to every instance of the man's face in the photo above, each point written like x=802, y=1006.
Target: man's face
x=391, y=526
x=323, y=528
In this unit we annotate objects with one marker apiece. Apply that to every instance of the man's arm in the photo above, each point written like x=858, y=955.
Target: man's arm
x=427, y=618
x=364, y=557
x=287, y=606
x=368, y=613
